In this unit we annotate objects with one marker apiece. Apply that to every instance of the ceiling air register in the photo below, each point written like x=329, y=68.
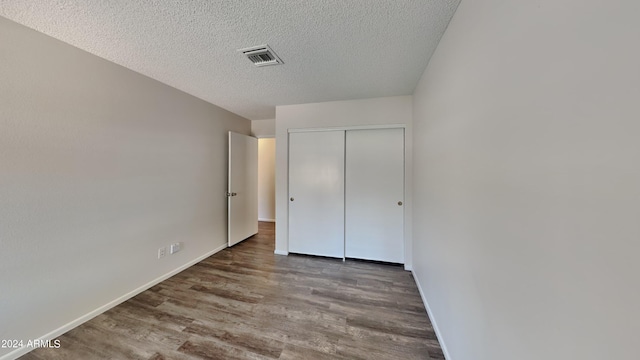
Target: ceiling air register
x=261, y=55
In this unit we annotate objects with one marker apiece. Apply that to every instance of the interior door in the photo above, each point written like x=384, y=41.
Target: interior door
x=374, y=208
x=242, y=192
x=316, y=193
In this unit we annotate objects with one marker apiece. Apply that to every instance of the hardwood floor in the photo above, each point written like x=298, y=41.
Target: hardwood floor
x=247, y=303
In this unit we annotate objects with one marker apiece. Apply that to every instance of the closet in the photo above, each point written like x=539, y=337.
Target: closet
x=346, y=193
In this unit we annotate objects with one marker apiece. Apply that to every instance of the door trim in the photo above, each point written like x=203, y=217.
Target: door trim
x=407, y=261
x=347, y=128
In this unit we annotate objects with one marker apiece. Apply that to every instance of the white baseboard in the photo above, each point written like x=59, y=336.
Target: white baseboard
x=277, y=252
x=432, y=318
x=79, y=321
x=267, y=220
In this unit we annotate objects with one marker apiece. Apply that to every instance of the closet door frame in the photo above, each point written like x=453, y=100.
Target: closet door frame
x=407, y=175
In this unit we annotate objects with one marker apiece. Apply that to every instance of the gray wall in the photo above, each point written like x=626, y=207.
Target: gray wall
x=527, y=181
x=99, y=167
x=263, y=128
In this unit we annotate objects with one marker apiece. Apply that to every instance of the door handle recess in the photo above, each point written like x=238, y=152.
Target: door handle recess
x=291, y=199
x=399, y=203
x=231, y=194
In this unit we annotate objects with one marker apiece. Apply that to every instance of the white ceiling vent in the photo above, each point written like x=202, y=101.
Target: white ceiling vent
x=261, y=55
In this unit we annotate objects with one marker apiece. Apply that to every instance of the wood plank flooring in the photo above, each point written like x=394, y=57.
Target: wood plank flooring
x=247, y=303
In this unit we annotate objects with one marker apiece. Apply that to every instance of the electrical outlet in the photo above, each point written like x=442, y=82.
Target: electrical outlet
x=175, y=248
x=162, y=252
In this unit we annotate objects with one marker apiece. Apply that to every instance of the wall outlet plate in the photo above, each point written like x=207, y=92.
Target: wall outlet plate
x=162, y=252
x=175, y=248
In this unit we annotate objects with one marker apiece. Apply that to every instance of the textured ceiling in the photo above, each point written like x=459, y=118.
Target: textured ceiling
x=332, y=49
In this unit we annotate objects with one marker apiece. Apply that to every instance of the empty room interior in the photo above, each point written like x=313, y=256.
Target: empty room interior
x=323, y=179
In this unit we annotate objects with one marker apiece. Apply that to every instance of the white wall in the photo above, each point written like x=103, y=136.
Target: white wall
x=263, y=128
x=267, y=179
x=99, y=167
x=378, y=111
x=527, y=180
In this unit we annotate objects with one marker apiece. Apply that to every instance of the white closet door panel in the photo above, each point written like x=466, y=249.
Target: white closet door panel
x=375, y=195
x=316, y=193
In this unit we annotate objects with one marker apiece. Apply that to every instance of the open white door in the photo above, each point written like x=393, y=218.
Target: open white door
x=242, y=192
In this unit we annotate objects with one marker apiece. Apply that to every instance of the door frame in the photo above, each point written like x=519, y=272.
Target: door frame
x=407, y=209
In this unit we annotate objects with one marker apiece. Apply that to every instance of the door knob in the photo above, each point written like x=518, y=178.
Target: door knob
x=291, y=199
x=399, y=203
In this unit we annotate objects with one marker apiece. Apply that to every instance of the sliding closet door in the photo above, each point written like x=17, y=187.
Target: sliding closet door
x=375, y=195
x=316, y=193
